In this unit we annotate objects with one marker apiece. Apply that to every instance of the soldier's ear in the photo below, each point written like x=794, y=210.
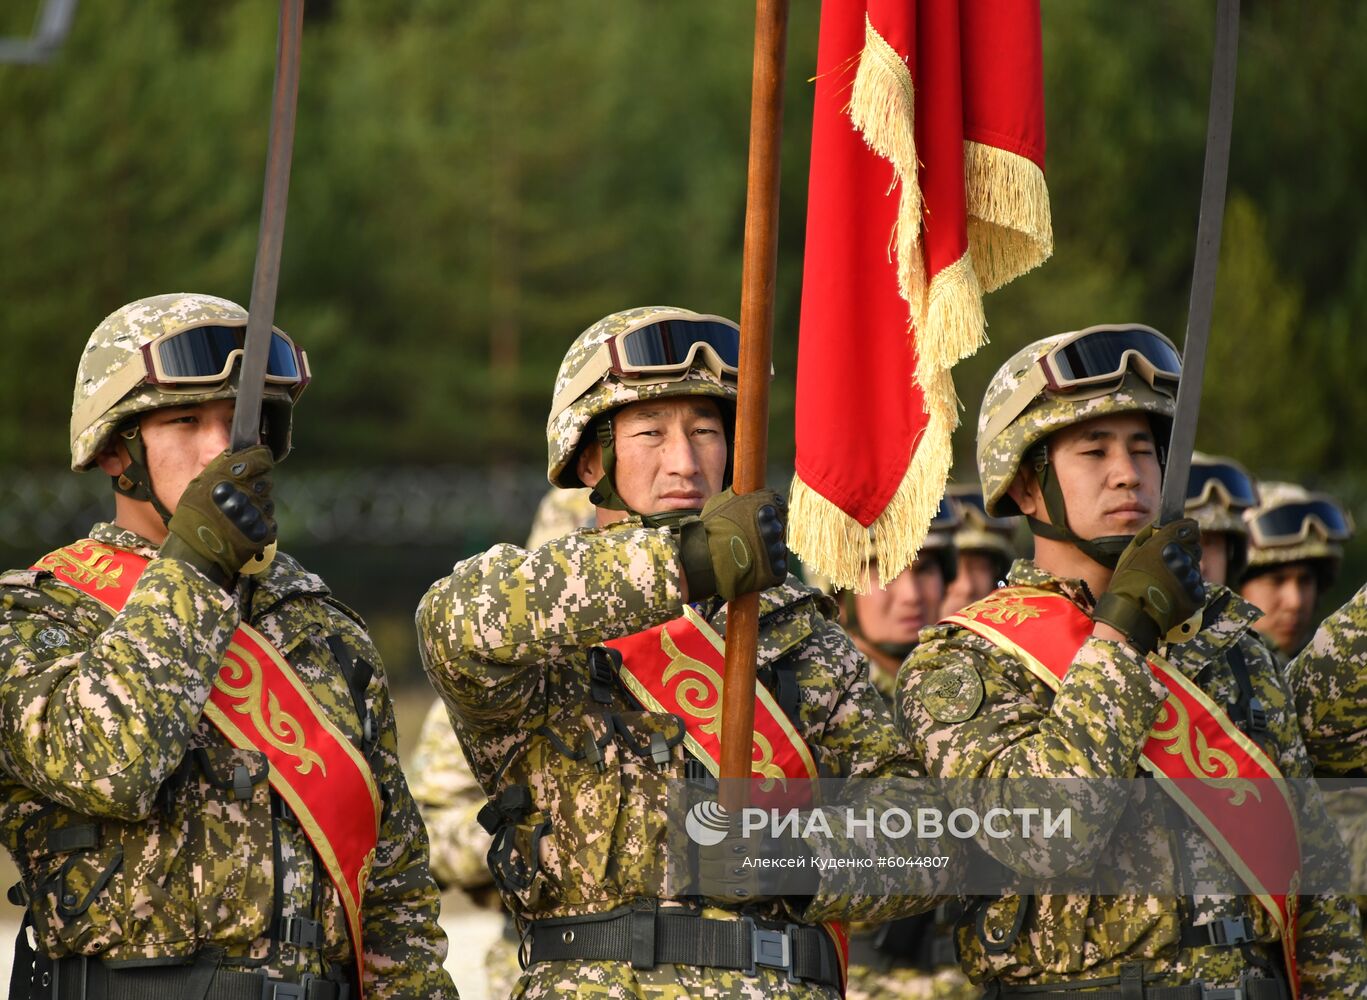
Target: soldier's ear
x=1024, y=489
x=589, y=465
x=113, y=459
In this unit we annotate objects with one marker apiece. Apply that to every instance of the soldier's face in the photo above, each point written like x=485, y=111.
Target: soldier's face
x=897, y=613
x=1286, y=595
x=671, y=454
x=977, y=577
x=1215, y=556
x=1108, y=470
x=181, y=441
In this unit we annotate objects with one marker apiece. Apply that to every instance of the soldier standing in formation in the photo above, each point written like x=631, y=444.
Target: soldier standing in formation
x=202, y=786
x=1295, y=548
x=911, y=958
x=544, y=659
x=447, y=793
x=985, y=546
x=1047, y=679
x=1219, y=492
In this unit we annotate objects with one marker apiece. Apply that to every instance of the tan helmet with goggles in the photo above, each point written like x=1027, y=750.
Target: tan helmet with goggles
x=174, y=350
x=1061, y=381
x=1292, y=524
x=980, y=531
x=649, y=352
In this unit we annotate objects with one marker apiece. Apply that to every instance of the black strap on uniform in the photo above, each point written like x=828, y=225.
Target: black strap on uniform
x=604, y=664
x=83, y=978
x=646, y=936
x=358, y=673
x=1129, y=985
x=1247, y=711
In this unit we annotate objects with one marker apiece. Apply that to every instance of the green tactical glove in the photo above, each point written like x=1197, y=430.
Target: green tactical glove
x=1157, y=584
x=737, y=546
x=224, y=517
x=777, y=866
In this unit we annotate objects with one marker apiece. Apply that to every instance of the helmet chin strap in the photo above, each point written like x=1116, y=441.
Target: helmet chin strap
x=135, y=482
x=1104, y=551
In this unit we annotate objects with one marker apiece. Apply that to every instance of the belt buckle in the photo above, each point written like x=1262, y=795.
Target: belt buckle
x=1222, y=992
x=771, y=948
x=279, y=989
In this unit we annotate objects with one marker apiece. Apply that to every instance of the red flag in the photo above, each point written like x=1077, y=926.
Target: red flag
x=927, y=188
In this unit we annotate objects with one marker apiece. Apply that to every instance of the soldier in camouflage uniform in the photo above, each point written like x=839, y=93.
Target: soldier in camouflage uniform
x=986, y=547
x=884, y=621
x=1219, y=491
x=156, y=857
x=1070, y=434
x=578, y=774
x=911, y=958
x=1295, y=549
x=447, y=793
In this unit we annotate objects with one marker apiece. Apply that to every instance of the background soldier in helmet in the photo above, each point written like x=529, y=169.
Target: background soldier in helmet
x=1050, y=681
x=985, y=545
x=911, y=958
x=1219, y=491
x=185, y=824
x=1295, y=548
x=449, y=797
x=576, y=771
x=885, y=621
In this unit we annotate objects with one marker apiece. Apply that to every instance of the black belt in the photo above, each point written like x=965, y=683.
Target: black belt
x=1250, y=989
x=646, y=936
x=81, y=978
x=908, y=943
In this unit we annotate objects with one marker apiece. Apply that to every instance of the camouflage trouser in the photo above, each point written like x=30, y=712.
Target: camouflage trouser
x=501, y=967
x=619, y=981
x=946, y=983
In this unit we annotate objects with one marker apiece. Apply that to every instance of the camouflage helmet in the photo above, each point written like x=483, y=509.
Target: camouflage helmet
x=111, y=384
x=1317, y=546
x=980, y=532
x=1009, y=426
x=1214, y=510
x=586, y=388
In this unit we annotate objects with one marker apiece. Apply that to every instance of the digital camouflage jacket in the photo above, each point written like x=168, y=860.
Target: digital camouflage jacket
x=141, y=835
x=1328, y=679
x=1006, y=724
x=505, y=639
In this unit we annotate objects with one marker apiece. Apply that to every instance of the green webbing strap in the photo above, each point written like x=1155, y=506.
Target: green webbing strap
x=136, y=481
x=1104, y=551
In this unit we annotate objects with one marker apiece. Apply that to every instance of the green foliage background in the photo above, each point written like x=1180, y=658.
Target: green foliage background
x=476, y=181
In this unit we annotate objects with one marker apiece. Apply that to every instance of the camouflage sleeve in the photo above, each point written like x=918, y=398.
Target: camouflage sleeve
x=97, y=723
x=486, y=630
x=449, y=799
x=1331, y=953
x=404, y=946
x=1329, y=682
x=972, y=711
x=859, y=743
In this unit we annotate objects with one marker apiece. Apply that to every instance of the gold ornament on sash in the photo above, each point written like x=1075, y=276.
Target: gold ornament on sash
x=277, y=727
x=85, y=562
x=1211, y=765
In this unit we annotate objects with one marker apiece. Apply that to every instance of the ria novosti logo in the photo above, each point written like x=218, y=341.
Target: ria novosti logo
x=707, y=823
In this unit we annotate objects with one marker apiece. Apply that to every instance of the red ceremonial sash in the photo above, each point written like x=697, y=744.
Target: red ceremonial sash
x=1206, y=763
x=677, y=668
x=259, y=703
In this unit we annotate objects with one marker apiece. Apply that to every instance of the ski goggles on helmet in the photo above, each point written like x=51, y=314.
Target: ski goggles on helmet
x=1093, y=362
x=201, y=355
x=1294, y=521
x=656, y=351
x=205, y=355
x=1224, y=482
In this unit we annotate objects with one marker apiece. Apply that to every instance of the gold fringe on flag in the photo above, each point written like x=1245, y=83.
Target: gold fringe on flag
x=1009, y=232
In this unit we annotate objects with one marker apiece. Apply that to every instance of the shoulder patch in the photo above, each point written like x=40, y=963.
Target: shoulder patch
x=952, y=693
